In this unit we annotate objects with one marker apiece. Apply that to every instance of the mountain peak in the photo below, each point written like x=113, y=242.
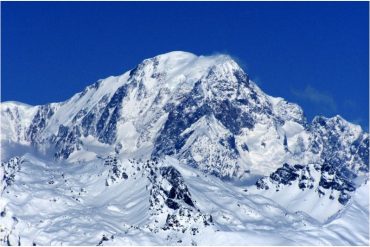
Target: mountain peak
x=179, y=68
x=184, y=55
x=336, y=121
x=176, y=55
x=162, y=132
x=183, y=59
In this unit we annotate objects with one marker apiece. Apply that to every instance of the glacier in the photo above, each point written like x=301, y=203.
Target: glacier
x=180, y=150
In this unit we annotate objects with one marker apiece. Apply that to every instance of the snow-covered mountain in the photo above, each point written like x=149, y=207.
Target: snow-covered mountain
x=182, y=149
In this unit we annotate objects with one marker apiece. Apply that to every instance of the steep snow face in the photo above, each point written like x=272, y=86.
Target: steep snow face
x=15, y=120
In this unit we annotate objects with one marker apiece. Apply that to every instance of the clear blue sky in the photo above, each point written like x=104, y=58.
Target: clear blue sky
x=314, y=54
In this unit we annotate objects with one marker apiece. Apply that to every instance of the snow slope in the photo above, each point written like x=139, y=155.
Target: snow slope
x=74, y=205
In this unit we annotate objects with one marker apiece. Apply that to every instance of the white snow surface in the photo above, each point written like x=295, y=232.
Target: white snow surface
x=69, y=204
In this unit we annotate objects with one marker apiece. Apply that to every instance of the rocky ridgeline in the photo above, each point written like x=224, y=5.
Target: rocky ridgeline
x=171, y=205
x=320, y=178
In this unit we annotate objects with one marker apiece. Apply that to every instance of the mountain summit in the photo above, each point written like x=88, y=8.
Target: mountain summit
x=175, y=123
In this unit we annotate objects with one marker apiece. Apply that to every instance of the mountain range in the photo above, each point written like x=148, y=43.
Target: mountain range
x=180, y=150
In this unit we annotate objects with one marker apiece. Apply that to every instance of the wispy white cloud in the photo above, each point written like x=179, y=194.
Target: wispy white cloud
x=321, y=99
